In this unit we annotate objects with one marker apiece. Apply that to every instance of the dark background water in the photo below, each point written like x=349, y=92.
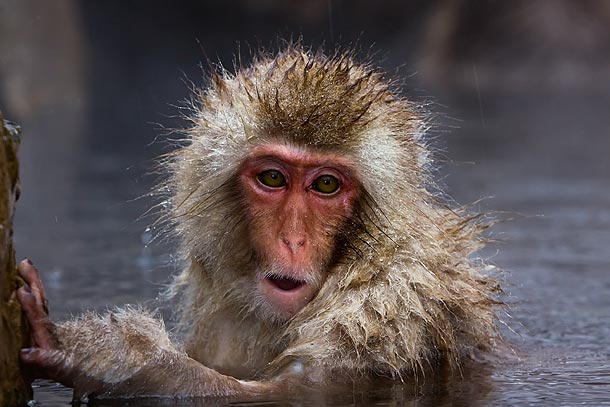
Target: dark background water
x=520, y=94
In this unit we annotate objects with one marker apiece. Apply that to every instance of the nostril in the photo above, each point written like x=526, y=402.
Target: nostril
x=293, y=243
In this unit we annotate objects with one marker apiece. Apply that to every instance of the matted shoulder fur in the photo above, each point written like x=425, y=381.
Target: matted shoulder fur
x=402, y=292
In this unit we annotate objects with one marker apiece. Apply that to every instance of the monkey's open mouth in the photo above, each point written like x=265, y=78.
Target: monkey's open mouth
x=286, y=294
x=285, y=283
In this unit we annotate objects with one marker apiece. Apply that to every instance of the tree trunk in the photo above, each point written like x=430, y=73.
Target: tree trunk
x=14, y=388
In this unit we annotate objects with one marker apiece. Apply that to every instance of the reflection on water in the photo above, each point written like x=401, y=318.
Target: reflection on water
x=473, y=389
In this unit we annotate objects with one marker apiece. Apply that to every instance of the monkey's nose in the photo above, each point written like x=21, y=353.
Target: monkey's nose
x=294, y=244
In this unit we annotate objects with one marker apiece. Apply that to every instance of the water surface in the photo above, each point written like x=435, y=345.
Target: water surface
x=78, y=220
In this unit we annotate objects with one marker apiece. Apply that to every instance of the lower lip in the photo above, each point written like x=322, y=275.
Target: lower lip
x=286, y=301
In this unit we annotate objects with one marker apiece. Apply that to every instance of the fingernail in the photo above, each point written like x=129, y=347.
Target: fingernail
x=28, y=261
x=27, y=288
x=25, y=353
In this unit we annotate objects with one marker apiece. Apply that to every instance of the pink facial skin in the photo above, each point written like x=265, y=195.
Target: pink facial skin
x=294, y=223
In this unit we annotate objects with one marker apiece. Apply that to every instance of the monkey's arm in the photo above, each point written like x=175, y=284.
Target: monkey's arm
x=121, y=354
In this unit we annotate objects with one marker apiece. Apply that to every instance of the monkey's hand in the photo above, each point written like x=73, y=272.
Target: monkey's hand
x=124, y=353
x=44, y=358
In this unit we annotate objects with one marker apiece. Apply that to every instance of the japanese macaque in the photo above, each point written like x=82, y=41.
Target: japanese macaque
x=313, y=248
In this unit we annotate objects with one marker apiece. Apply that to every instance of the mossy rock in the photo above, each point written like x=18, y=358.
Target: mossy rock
x=14, y=390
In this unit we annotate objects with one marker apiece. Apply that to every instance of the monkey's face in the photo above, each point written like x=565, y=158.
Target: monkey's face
x=296, y=203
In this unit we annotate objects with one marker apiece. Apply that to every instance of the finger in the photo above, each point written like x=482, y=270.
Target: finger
x=47, y=363
x=43, y=358
x=27, y=301
x=31, y=275
x=41, y=327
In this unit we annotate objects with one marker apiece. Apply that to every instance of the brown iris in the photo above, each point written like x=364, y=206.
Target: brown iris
x=272, y=178
x=326, y=184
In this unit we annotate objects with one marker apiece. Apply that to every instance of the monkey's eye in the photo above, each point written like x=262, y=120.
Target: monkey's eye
x=272, y=178
x=326, y=184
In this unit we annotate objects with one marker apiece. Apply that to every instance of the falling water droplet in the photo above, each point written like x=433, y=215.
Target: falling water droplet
x=147, y=236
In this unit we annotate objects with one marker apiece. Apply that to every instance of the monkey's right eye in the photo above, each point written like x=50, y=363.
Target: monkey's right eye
x=272, y=178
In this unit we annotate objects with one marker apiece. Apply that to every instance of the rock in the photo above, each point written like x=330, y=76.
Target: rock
x=14, y=388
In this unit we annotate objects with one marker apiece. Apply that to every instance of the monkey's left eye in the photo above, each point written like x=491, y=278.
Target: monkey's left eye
x=272, y=178
x=327, y=184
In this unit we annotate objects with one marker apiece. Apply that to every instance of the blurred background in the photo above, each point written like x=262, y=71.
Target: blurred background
x=520, y=95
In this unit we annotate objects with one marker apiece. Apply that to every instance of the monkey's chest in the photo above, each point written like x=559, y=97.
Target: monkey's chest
x=241, y=350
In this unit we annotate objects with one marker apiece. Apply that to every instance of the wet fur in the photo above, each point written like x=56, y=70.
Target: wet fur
x=400, y=293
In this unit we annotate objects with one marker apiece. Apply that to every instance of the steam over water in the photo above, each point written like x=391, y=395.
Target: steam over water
x=553, y=245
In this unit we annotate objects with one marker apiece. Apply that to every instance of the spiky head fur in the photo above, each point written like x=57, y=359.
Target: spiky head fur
x=400, y=291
